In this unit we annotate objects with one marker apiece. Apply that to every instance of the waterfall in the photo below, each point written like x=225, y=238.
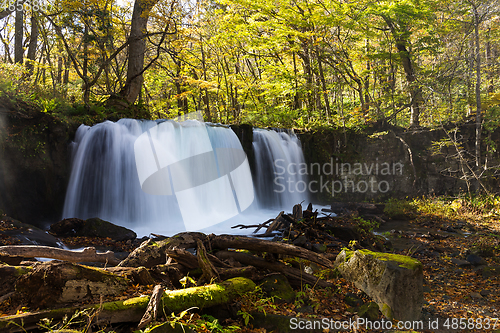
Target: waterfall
x=166, y=177
x=278, y=157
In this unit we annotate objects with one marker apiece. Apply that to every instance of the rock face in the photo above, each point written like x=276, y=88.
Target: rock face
x=94, y=227
x=34, y=162
x=394, y=282
x=376, y=147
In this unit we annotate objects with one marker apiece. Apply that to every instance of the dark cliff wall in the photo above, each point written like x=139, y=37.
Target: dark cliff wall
x=393, y=163
x=34, y=164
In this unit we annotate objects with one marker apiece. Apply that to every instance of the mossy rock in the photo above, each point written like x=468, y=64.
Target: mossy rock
x=394, y=282
x=400, y=260
x=277, y=285
x=369, y=311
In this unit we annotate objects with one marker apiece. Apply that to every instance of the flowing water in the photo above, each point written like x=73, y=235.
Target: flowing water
x=165, y=177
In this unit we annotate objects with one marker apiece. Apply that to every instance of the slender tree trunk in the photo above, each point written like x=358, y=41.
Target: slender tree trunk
x=60, y=62
x=323, y=84
x=206, y=99
x=18, y=35
x=67, y=65
x=86, y=88
x=470, y=71
x=296, y=97
x=367, y=80
x=306, y=60
x=33, y=43
x=478, y=87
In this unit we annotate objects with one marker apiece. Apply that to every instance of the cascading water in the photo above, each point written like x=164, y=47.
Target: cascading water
x=105, y=181
x=278, y=157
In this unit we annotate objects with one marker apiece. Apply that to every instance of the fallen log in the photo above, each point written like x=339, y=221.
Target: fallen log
x=88, y=254
x=247, y=271
x=296, y=275
x=132, y=310
x=183, y=257
x=252, y=244
x=56, y=283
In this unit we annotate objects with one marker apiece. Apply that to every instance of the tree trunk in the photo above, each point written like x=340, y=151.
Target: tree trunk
x=18, y=35
x=478, y=87
x=137, y=49
x=323, y=84
x=405, y=56
x=86, y=87
x=33, y=43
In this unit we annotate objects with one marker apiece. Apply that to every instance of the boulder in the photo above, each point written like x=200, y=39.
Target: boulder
x=13, y=231
x=276, y=285
x=476, y=260
x=394, y=282
x=94, y=227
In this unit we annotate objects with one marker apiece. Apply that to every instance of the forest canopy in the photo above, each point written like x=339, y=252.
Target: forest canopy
x=283, y=63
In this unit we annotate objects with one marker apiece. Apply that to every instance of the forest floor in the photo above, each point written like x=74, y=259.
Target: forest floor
x=461, y=269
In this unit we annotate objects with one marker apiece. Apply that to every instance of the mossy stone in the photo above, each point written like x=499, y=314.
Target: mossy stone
x=403, y=261
x=277, y=286
x=369, y=311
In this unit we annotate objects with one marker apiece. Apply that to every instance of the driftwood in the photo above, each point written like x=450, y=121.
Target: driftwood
x=152, y=253
x=49, y=284
x=153, y=307
x=132, y=310
x=208, y=269
x=295, y=275
x=247, y=243
x=247, y=271
x=183, y=257
x=278, y=223
x=88, y=254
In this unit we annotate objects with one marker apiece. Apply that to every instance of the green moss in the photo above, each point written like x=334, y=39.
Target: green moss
x=21, y=270
x=386, y=310
x=220, y=293
x=132, y=303
x=403, y=261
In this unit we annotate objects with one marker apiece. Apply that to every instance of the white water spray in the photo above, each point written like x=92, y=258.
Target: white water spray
x=104, y=180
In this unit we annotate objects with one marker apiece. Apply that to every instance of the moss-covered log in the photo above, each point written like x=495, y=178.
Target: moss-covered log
x=132, y=310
